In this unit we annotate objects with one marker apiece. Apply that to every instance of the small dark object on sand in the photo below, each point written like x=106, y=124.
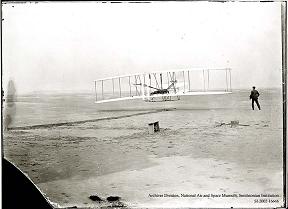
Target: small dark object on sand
x=95, y=198
x=113, y=198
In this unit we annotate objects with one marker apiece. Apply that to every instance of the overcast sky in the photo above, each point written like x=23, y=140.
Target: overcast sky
x=65, y=46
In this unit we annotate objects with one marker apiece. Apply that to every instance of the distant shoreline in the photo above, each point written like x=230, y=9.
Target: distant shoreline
x=92, y=92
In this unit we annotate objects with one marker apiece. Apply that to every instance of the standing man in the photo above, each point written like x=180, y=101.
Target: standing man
x=254, y=96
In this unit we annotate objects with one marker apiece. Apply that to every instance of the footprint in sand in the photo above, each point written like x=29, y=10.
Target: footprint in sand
x=95, y=198
x=271, y=190
x=263, y=180
x=113, y=198
x=66, y=195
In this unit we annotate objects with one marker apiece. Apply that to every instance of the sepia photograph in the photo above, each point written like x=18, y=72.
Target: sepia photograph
x=143, y=105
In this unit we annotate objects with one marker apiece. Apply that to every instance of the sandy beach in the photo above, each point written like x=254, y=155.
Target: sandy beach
x=81, y=83
x=192, y=154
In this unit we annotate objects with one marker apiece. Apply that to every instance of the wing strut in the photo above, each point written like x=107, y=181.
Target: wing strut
x=95, y=91
x=120, y=87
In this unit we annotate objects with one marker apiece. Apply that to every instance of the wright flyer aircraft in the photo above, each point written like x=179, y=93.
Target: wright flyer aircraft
x=163, y=86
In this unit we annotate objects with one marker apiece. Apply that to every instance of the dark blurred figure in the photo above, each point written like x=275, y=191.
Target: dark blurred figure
x=254, y=96
x=9, y=99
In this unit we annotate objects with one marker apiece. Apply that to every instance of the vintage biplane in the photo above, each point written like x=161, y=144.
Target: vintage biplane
x=163, y=85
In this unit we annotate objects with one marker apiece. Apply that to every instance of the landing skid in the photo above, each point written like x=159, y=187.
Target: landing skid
x=162, y=99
